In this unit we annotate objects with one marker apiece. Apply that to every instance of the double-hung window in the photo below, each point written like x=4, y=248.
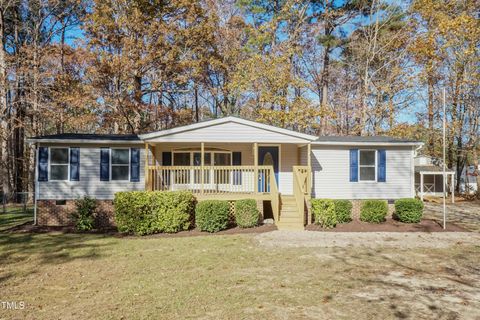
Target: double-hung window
x=59, y=163
x=367, y=165
x=120, y=164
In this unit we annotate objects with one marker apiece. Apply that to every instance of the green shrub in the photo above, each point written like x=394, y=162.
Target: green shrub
x=212, y=215
x=373, y=211
x=246, y=213
x=324, y=212
x=83, y=216
x=409, y=210
x=343, y=210
x=147, y=212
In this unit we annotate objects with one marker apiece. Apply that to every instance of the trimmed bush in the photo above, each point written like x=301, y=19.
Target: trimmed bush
x=324, y=212
x=83, y=216
x=343, y=210
x=147, y=212
x=212, y=215
x=409, y=210
x=246, y=213
x=373, y=211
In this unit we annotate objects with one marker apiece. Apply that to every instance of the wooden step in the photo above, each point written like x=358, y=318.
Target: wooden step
x=290, y=226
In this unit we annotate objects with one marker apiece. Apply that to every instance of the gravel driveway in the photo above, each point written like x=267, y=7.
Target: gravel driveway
x=295, y=239
x=465, y=214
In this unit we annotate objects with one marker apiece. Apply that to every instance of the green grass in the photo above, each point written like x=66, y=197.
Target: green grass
x=84, y=276
x=14, y=217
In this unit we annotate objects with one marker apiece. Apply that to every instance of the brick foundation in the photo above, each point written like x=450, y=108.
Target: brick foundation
x=51, y=214
x=357, y=204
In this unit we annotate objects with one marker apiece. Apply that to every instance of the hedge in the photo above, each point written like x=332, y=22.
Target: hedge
x=409, y=210
x=246, y=213
x=373, y=211
x=343, y=210
x=329, y=212
x=212, y=215
x=147, y=212
x=324, y=212
x=84, y=213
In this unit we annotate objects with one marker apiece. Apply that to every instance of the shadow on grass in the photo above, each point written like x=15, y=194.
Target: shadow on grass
x=33, y=250
x=445, y=280
x=10, y=220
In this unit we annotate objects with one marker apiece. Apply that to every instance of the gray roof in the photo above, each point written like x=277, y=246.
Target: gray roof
x=373, y=139
x=430, y=169
x=89, y=137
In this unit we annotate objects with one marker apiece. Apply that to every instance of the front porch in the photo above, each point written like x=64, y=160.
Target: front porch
x=266, y=172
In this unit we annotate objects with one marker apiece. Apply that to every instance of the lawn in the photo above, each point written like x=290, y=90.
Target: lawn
x=72, y=276
x=14, y=217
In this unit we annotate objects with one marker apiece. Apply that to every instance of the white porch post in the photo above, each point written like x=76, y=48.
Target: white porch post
x=147, y=180
x=421, y=186
x=255, y=163
x=202, y=164
x=452, y=188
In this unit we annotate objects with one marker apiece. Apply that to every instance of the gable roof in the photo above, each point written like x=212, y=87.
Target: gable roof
x=365, y=140
x=226, y=120
x=86, y=138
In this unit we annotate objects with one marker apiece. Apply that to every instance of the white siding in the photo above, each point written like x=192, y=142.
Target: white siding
x=331, y=174
x=229, y=132
x=90, y=184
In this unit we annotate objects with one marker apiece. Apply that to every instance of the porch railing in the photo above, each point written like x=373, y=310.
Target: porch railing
x=212, y=179
x=302, y=188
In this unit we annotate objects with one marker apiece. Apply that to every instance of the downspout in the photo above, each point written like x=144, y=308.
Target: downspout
x=36, y=185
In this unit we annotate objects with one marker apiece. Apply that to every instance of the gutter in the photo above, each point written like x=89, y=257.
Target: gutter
x=343, y=143
x=80, y=141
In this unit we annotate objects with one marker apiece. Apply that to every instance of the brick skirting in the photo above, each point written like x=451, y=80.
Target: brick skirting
x=357, y=204
x=51, y=214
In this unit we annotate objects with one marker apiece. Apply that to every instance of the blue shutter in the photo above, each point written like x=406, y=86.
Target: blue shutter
x=74, y=164
x=353, y=165
x=134, y=164
x=382, y=165
x=237, y=174
x=104, y=164
x=43, y=164
x=166, y=158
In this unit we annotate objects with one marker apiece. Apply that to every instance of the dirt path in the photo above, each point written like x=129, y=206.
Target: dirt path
x=366, y=239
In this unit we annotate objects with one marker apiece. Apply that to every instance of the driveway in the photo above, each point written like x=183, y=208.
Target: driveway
x=465, y=214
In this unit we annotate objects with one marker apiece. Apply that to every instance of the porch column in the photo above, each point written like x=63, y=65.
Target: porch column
x=202, y=164
x=452, y=187
x=147, y=180
x=421, y=186
x=255, y=163
x=309, y=163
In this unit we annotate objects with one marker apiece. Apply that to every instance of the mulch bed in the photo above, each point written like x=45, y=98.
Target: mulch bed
x=390, y=225
x=30, y=228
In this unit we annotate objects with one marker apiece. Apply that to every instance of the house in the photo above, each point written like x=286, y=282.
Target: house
x=227, y=158
x=429, y=178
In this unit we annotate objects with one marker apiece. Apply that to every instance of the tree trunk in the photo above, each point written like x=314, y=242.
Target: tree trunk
x=431, y=133
x=5, y=185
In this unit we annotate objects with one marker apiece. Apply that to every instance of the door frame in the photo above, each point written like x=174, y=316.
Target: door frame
x=279, y=156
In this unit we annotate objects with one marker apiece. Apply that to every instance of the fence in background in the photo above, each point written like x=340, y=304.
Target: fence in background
x=16, y=202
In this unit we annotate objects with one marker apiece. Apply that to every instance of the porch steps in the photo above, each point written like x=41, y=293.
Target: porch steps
x=290, y=218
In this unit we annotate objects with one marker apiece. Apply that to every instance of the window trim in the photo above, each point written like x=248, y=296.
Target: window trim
x=192, y=152
x=375, y=166
x=119, y=165
x=57, y=164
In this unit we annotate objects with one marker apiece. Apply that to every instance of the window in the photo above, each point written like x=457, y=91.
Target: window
x=59, y=161
x=222, y=159
x=181, y=159
x=120, y=164
x=367, y=166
